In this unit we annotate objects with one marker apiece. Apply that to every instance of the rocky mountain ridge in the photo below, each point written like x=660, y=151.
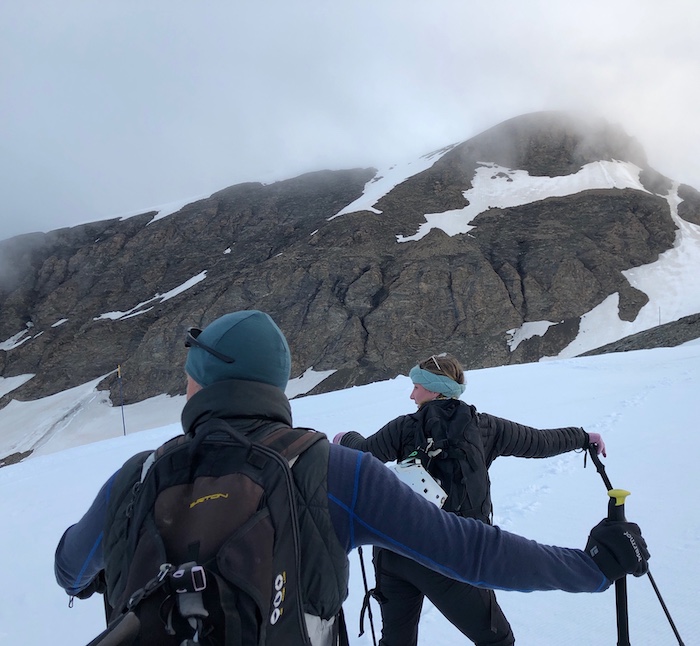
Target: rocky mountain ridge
x=354, y=293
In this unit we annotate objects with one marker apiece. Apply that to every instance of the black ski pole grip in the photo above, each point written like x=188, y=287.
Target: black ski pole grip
x=616, y=511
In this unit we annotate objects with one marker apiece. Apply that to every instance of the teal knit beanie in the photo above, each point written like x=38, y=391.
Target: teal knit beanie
x=254, y=342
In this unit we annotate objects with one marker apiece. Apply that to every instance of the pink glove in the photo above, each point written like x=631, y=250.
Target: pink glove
x=595, y=438
x=337, y=438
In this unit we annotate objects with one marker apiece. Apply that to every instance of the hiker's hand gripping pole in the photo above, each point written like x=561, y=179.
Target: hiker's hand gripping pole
x=616, y=511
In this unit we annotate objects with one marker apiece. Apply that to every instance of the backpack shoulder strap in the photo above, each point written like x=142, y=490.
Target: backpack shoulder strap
x=291, y=442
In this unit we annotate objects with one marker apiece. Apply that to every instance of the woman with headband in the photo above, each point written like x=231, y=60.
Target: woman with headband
x=456, y=445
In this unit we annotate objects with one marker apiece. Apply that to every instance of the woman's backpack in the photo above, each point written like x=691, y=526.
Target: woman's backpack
x=449, y=445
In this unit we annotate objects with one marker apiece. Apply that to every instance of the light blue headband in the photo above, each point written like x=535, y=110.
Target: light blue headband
x=436, y=383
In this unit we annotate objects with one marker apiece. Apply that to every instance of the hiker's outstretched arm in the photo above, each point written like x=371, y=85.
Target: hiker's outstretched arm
x=511, y=438
x=79, y=557
x=374, y=507
x=386, y=444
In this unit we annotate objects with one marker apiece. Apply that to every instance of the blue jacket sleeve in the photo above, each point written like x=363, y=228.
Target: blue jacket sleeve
x=79, y=556
x=369, y=505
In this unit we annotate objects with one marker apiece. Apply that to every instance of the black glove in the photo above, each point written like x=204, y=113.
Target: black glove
x=98, y=584
x=618, y=549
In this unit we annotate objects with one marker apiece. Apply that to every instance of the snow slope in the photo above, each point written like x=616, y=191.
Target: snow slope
x=644, y=403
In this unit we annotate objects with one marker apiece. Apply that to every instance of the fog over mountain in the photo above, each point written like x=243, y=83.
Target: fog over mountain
x=114, y=106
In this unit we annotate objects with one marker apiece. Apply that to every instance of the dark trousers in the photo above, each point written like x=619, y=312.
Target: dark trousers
x=402, y=584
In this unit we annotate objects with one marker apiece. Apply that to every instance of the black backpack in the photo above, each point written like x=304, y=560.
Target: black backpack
x=212, y=543
x=450, y=447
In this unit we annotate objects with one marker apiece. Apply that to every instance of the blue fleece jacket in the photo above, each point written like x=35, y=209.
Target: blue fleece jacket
x=370, y=506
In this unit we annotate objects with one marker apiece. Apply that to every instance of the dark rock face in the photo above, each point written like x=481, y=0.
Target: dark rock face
x=14, y=458
x=569, y=252
x=347, y=294
x=549, y=144
x=689, y=208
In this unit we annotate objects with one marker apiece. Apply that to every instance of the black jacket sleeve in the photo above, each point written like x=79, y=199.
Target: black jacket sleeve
x=394, y=441
x=504, y=437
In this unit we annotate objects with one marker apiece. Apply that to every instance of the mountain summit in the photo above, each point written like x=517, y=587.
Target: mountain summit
x=502, y=249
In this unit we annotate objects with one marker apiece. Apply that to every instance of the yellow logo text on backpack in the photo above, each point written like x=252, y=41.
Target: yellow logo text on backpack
x=212, y=496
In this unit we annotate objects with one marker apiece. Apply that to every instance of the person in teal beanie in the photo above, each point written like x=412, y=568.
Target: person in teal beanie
x=249, y=345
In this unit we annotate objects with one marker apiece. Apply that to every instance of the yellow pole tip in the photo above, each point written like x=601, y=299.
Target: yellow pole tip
x=619, y=495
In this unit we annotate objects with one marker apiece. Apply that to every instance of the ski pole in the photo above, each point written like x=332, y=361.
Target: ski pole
x=366, y=602
x=616, y=511
x=107, y=607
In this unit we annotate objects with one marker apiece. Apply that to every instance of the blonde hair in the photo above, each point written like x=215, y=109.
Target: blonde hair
x=444, y=364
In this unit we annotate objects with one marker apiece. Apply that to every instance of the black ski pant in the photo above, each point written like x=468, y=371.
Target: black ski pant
x=402, y=584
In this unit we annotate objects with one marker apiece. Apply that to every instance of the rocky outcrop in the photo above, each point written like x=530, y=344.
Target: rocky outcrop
x=689, y=208
x=14, y=458
x=668, y=335
x=349, y=296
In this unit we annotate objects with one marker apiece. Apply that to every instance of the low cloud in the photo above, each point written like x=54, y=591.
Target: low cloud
x=109, y=108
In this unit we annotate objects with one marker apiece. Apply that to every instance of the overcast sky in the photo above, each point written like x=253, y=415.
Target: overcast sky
x=114, y=106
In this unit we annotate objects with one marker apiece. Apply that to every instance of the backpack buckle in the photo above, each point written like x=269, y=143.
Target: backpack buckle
x=189, y=577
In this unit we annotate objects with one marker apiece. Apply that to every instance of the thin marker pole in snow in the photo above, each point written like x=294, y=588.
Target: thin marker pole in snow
x=121, y=395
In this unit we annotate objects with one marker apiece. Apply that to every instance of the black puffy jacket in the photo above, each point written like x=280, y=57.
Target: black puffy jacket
x=476, y=439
